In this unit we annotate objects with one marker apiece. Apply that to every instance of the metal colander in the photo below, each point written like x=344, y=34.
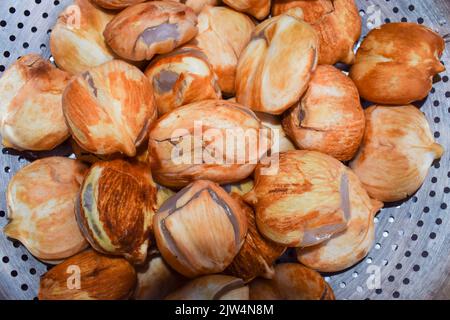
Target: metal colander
x=411, y=255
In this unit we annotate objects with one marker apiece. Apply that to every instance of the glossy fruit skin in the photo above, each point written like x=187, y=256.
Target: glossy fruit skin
x=395, y=63
x=396, y=153
x=31, y=115
x=303, y=201
x=264, y=81
x=41, y=200
x=222, y=36
x=116, y=207
x=329, y=117
x=259, y=9
x=182, y=77
x=89, y=276
x=182, y=144
x=109, y=109
x=156, y=27
x=76, y=42
x=337, y=23
x=200, y=230
x=199, y=5
x=350, y=246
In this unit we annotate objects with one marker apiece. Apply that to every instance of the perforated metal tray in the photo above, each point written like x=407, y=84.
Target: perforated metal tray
x=412, y=251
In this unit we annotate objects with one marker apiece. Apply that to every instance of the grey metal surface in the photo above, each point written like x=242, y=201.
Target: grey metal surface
x=412, y=251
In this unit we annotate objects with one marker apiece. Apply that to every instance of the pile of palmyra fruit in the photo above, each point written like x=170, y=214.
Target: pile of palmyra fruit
x=136, y=216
